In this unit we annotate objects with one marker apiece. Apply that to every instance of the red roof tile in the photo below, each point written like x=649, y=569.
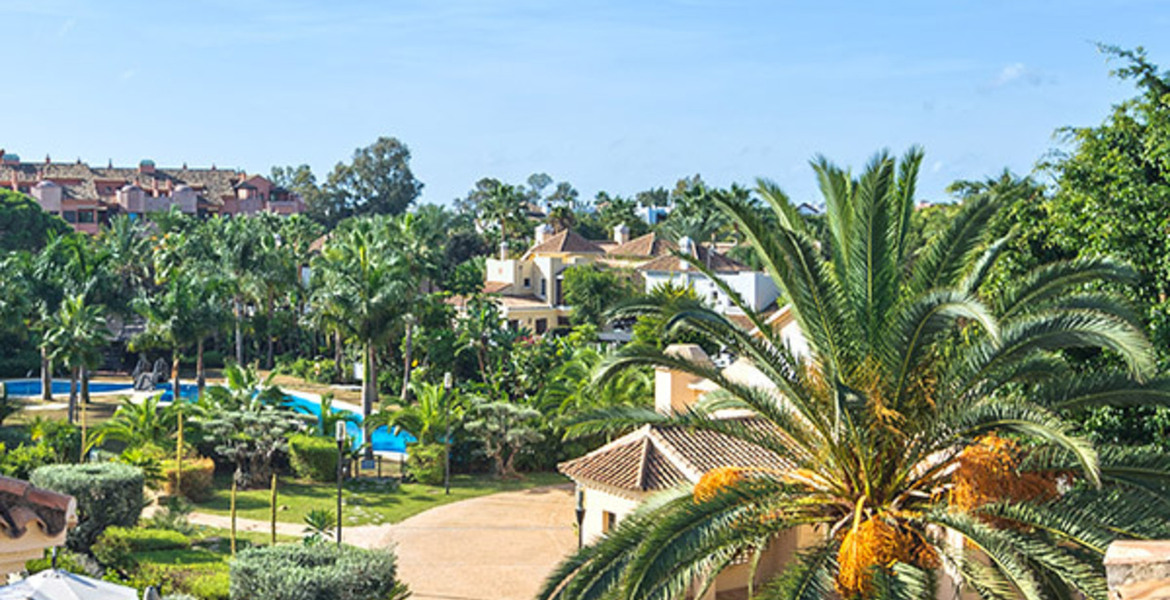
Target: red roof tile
x=656, y=458
x=566, y=241
x=647, y=246
x=716, y=261
x=23, y=505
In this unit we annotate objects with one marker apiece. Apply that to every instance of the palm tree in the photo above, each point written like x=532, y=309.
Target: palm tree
x=506, y=208
x=358, y=277
x=327, y=420
x=571, y=390
x=237, y=253
x=928, y=408
x=428, y=418
x=140, y=424
x=75, y=337
x=185, y=311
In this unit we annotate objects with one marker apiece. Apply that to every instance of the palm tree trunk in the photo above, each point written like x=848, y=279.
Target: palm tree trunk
x=337, y=355
x=73, y=395
x=46, y=375
x=369, y=394
x=175, y=374
x=238, y=310
x=407, y=358
x=200, y=372
x=84, y=384
x=270, y=308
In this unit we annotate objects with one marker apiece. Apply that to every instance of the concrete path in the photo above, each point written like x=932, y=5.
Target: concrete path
x=497, y=547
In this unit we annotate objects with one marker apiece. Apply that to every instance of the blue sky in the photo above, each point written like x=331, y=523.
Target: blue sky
x=608, y=95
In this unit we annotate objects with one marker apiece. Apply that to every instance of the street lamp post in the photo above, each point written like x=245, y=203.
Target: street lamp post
x=448, y=383
x=340, y=434
x=580, y=516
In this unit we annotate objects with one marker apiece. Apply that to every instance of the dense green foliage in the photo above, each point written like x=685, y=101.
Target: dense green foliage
x=107, y=494
x=313, y=457
x=23, y=225
x=116, y=546
x=425, y=463
x=314, y=572
x=592, y=290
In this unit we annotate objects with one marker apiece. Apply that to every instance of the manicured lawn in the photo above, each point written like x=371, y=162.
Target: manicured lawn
x=365, y=502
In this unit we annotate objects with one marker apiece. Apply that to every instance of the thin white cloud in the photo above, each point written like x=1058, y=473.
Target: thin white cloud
x=1018, y=73
x=128, y=74
x=66, y=27
x=1009, y=74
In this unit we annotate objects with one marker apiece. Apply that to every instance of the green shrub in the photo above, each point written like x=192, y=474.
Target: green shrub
x=173, y=516
x=208, y=586
x=147, y=457
x=313, y=457
x=63, y=437
x=318, y=371
x=107, y=494
x=197, y=478
x=66, y=561
x=116, y=546
x=424, y=463
x=22, y=460
x=318, y=571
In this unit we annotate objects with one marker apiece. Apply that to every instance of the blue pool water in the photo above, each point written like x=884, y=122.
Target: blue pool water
x=32, y=387
x=383, y=440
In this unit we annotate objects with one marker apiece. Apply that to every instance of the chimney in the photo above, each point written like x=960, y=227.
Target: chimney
x=673, y=389
x=686, y=246
x=542, y=232
x=504, y=250
x=621, y=233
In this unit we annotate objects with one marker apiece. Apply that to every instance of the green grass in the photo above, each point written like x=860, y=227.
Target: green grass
x=365, y=501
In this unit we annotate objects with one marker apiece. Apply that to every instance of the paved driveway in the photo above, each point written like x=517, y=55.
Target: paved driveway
x=497, y=547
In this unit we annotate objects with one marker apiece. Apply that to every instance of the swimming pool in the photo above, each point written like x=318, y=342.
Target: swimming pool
x=32, y=387
x=383, y=440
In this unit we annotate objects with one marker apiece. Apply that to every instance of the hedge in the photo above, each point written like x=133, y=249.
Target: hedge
x=197, y=478
x=425, y=463
x=107, y=494
x=316, y=571
x=116, y=546
x=313, y=457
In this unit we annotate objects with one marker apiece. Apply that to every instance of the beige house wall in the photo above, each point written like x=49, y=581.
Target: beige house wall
x=597, y=503
x=14, y=553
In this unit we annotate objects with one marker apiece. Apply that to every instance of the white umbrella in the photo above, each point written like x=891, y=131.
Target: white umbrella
x=52, y=584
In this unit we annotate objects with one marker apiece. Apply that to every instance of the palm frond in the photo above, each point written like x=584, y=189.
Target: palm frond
x=808, y=577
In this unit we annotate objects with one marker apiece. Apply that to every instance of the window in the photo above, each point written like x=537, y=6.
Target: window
x=85, y=216
x=513, y=324
x=527, y=282
x=608, y=521
x=563, y=322
x=543, y=288
x=70, y=216
x=541, y=325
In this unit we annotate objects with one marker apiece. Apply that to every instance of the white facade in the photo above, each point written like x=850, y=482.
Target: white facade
x=757, y=289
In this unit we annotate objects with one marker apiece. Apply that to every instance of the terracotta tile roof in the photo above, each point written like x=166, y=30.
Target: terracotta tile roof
x=655, y=458
x=565, y=241
x=718, y=262
x=495, y=287
x=22, y=505
x=647, y=246
x=79, y=180
x=705, y=450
